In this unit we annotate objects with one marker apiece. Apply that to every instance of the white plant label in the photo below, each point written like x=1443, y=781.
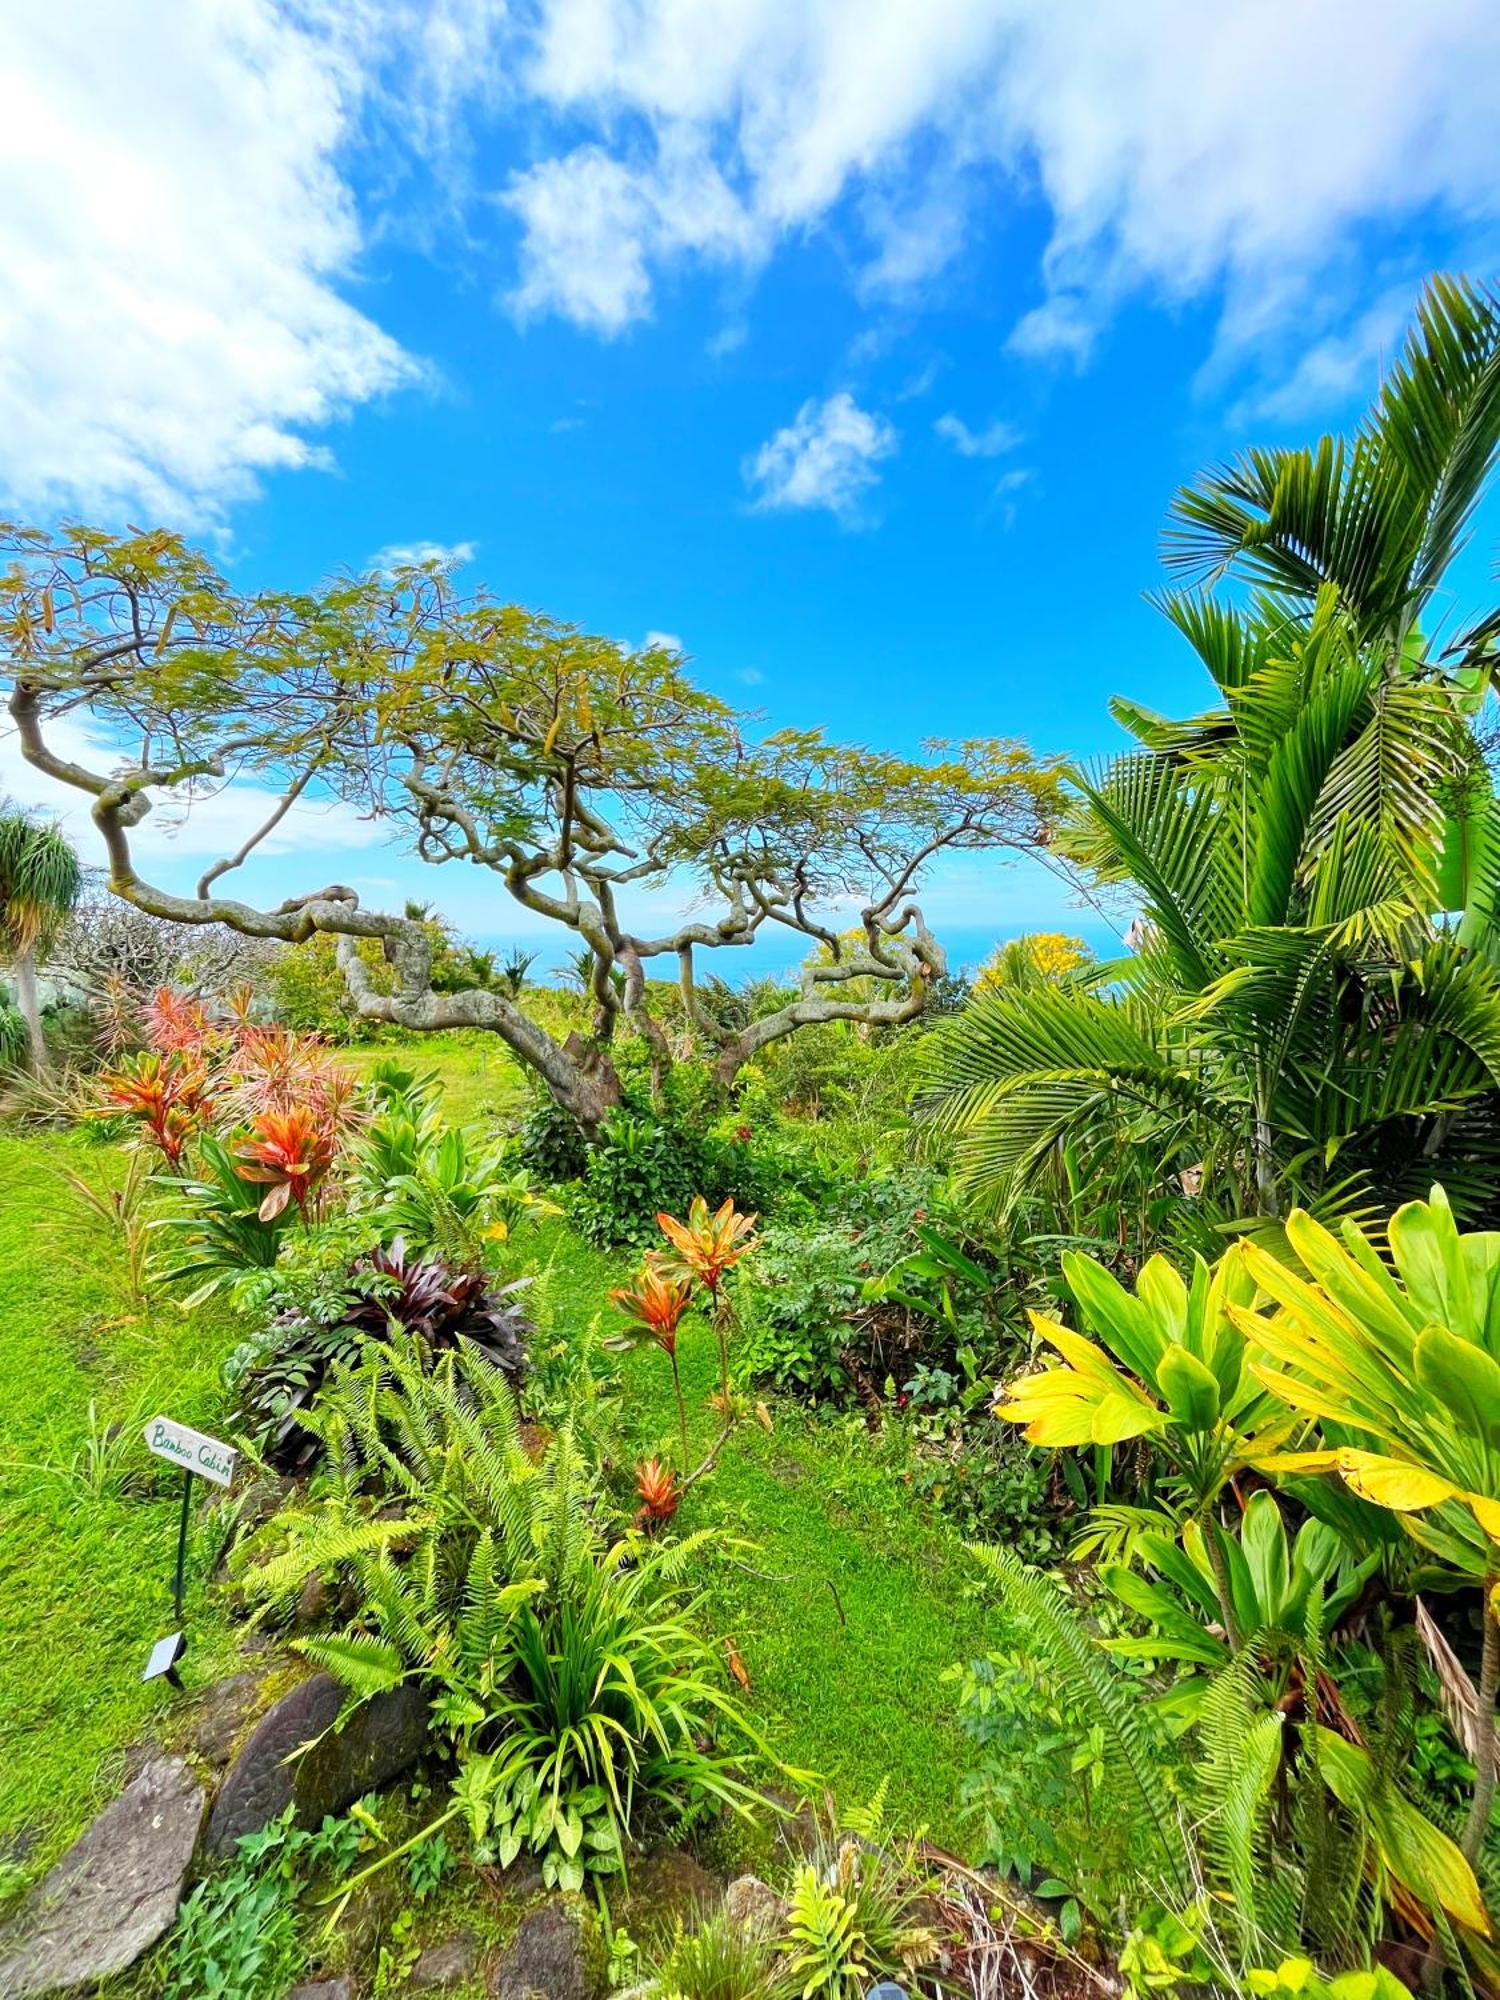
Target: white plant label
x=181, y=1446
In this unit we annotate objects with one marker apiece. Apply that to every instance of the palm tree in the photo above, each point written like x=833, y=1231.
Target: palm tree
x=1304, y=1018
x=1381, y=515
x=39, y=884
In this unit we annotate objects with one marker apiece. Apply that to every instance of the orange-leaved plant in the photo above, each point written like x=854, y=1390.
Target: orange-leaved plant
x=653, y=1311
x=168, y=1094
x=661, y=1496
x=706, y=1249
x=288, y=1152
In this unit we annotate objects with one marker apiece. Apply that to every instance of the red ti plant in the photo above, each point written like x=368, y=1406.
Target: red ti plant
x=176, y=1025
x=168, y=1094
x=287, y=1152
x=652, y=1312
x=707, y=1247
x=661, y=1496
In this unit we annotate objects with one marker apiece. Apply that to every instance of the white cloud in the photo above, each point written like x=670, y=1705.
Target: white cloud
x=181, y=829
x=1342, y=367
x=826, y=457
x=592, y=223
x=668, y=641
x=996, y=438
x=1178, y=148
x=1007, y=486
x=180, y=314
x=173, y=233
x=407, y=555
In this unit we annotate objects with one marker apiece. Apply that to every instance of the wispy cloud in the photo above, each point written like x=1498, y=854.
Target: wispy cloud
x=826, y=457
x=1180, y=152
x=407, y=555
x=992, y=441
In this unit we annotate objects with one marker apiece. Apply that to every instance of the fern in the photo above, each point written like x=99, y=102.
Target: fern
x=1136, y=1754
x=1242, y=1747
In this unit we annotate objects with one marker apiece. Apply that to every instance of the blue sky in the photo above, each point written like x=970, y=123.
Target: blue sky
x=859, y=347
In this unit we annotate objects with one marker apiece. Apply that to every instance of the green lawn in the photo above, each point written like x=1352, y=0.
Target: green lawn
x=842, y=1602
x=481, y=1079
x=85, y=1583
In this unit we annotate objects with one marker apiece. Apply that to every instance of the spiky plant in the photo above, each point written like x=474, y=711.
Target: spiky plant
x=40, y=881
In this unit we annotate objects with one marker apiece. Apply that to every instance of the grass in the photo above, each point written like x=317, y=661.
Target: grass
x=842, y=1603
x=482, y=1082
x=85, y=1581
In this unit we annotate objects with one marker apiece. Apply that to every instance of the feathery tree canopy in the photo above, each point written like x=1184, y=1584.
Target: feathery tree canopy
x=576, y=772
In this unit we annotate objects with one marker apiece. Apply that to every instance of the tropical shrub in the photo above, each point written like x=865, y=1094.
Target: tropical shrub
x=856, y=1908
x=644, y=1163
x=438, y=1186
x=549, y=1143
x=639, y=1166
x=1304, y=1837
x=213, y=1226
x=565, y=1669
x=881, y=1285
x=384, y=1295
x=1401, y=1369
x=714, y=1958
x=13, y=1043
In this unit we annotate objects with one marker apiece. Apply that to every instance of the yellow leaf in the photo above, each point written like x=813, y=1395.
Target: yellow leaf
x=551, y=737
x=1390, y=1482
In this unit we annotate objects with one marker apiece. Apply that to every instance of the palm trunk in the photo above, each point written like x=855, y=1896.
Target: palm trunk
x=1483, y=1803
x=29, y=1008
x=1268, y=1199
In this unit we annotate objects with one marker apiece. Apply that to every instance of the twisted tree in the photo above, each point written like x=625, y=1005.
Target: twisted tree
x=574, y=771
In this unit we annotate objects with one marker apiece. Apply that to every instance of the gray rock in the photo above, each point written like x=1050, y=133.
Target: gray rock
x=113, y=1894
x=446, y=1964
x=752, y=1905
x=219, y=1717
x=669, y=1882
x=377, y=1743
x=547, y=1959
x=324, y=1989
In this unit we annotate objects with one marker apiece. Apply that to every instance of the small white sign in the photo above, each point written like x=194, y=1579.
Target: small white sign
x=200, y=1454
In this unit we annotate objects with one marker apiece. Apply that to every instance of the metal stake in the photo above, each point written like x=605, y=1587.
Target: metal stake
x=182, y=1535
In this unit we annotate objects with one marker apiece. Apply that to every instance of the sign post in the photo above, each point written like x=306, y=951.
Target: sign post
x=206, y=1457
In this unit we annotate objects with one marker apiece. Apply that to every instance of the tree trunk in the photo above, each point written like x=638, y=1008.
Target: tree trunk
x=30, y=1008
x=591, y=1091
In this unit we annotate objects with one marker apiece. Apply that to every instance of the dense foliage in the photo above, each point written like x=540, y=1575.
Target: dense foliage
x=1178, y=1301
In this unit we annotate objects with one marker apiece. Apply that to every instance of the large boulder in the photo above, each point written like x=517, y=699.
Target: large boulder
x=547, y=1959
x=113, y=1894
x=378, y=1742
